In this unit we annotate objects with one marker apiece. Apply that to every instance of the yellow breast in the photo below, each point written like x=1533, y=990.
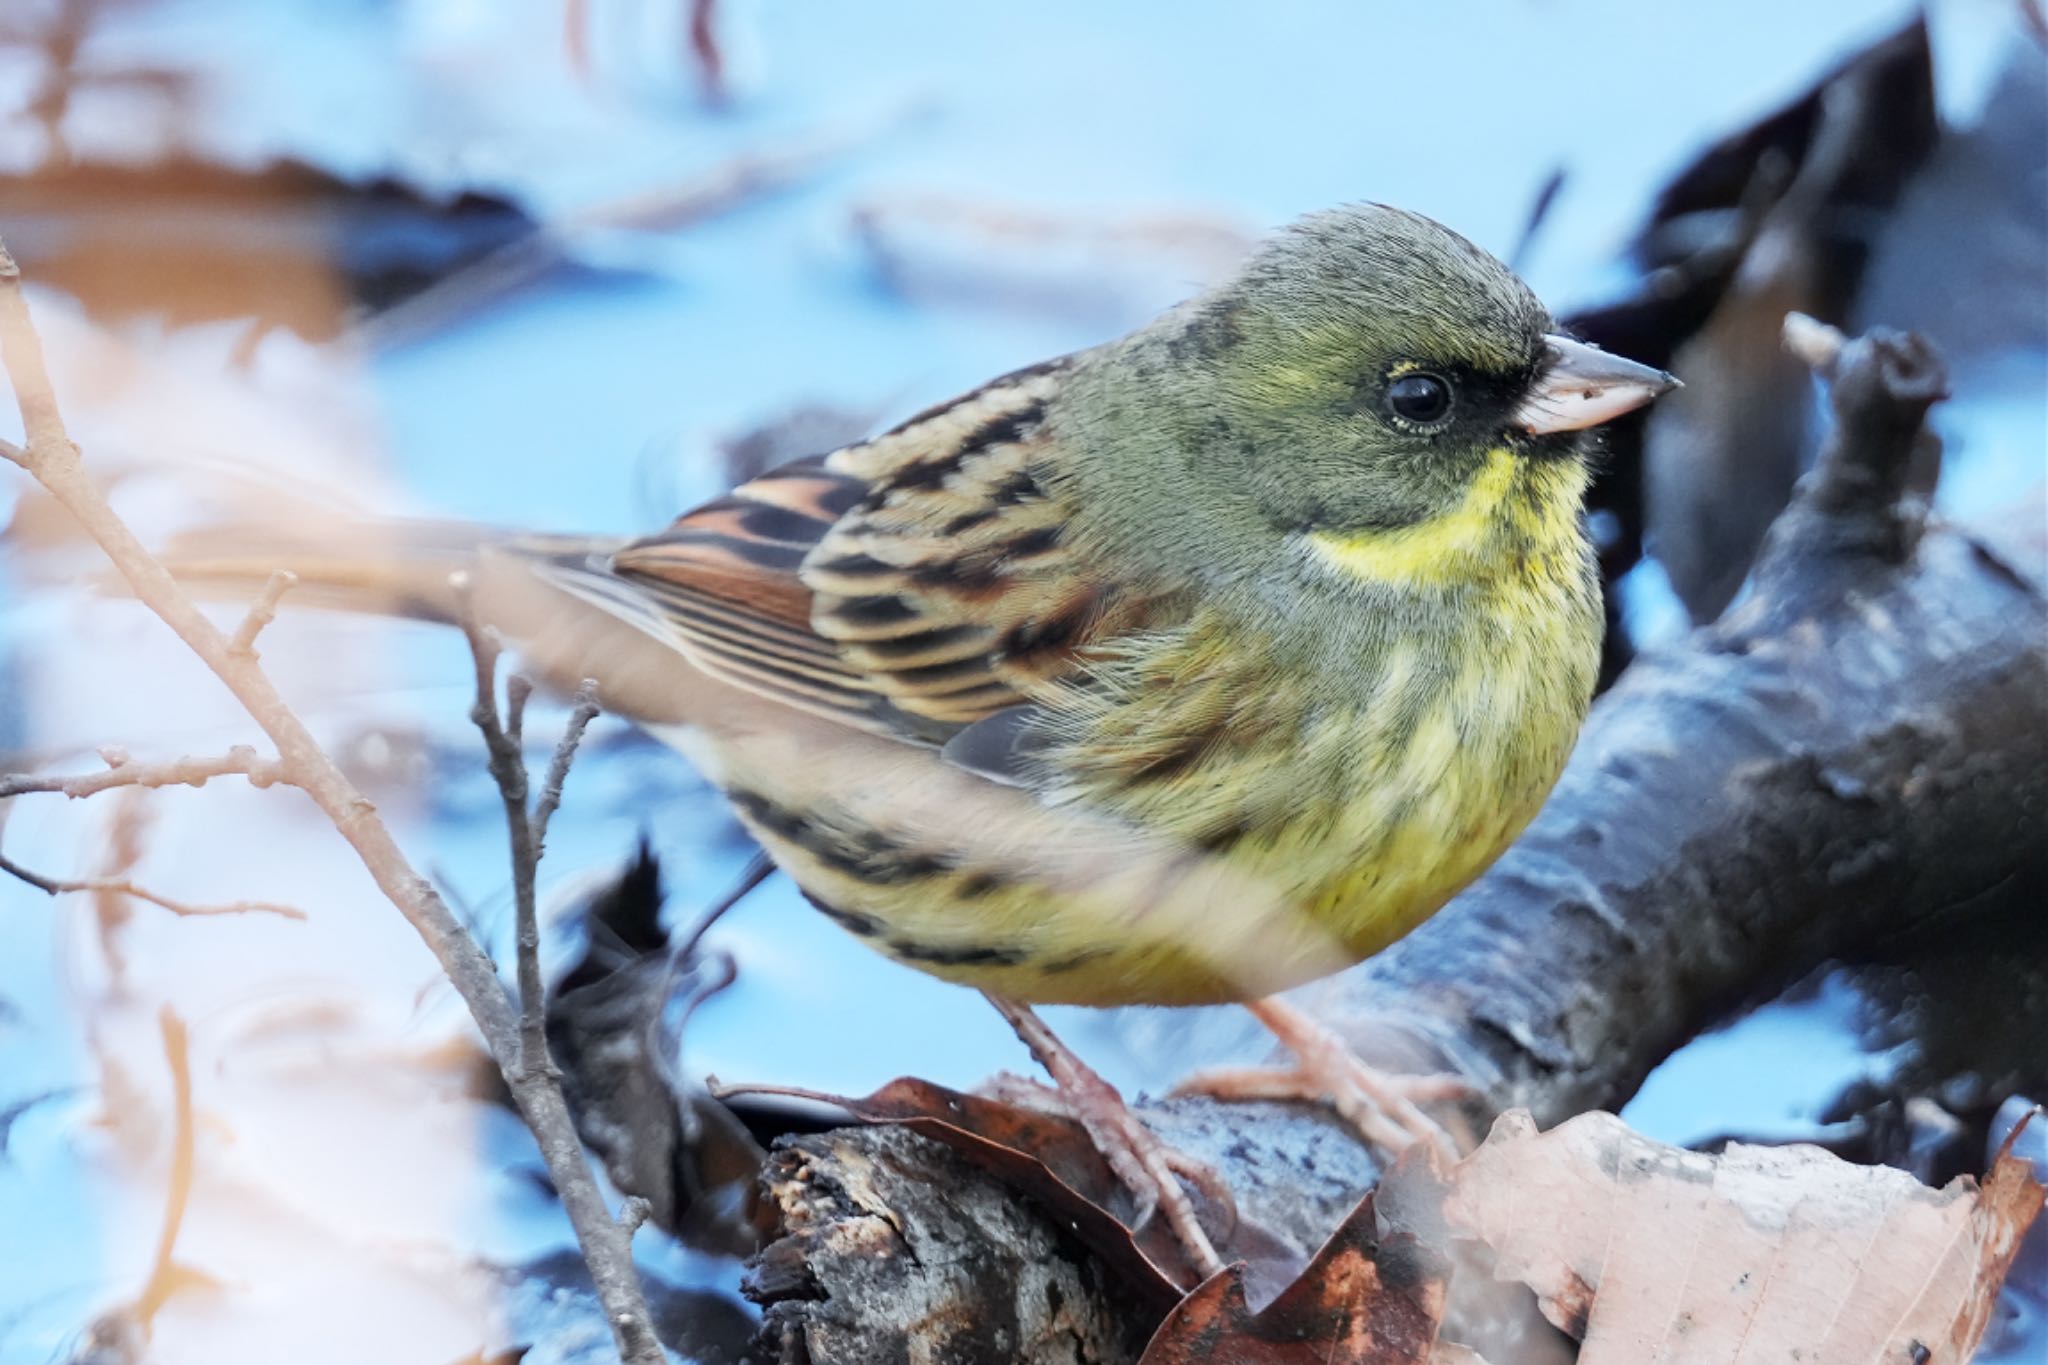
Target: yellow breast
x=1231, y=826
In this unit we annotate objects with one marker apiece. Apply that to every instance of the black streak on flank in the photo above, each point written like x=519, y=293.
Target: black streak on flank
x=1055, y=965
x=1222, y=838
x=978, y=884
x=866, y=926
x=958, y=955
x=878, y=860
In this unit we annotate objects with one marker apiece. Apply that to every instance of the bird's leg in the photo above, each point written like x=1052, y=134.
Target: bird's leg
x=1147, y=1167
x=1383, y=1106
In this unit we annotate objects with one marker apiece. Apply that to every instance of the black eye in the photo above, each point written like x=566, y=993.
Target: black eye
x=1423, y=398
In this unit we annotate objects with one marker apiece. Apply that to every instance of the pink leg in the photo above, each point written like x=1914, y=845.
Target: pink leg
x=1149, y=1168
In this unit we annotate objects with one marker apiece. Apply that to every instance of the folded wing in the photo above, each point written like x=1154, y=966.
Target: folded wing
x=910, y=585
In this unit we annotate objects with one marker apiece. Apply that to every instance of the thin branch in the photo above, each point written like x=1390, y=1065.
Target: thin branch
x=262, y=611
x=21, y=353
x=518, y=690
x=558, y=766
x=1817, y=345
x=49, y=886
x=122, y=886
x=508, y=769
x=52, y=460
x=240, y=761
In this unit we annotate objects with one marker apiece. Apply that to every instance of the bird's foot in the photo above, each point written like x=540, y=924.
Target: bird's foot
x=1385, y=1107
x=1146, y=1166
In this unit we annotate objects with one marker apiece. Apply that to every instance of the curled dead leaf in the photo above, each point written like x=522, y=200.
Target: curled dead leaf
x=1045, y=1156
x=1361, y=1300
x=1654, y=1253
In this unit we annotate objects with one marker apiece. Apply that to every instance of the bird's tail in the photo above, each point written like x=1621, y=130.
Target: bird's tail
x=379, y=567
x=537, y=591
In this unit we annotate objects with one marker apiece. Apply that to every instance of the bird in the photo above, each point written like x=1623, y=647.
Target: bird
x=1181, y=669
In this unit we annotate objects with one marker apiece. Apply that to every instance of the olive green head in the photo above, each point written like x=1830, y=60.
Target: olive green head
x=1359, y=375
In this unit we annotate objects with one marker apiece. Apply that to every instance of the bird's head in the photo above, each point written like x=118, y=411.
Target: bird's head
x=1368, y=377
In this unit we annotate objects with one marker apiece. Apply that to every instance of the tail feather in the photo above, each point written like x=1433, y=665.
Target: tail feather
x=389, y=567
x=535, y=590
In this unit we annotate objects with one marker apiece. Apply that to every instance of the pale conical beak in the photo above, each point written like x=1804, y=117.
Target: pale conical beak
x=1583, y=386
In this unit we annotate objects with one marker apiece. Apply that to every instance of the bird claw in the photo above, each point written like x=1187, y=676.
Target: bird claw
x=1384, y=1107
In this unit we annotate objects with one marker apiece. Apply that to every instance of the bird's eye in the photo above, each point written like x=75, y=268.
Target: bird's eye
x=1419, y=397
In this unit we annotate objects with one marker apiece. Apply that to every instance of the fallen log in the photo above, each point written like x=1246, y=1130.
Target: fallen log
x=1858, y=749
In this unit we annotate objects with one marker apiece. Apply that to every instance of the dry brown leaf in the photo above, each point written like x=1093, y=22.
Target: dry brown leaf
x=1043, y=1155
x=1650, y=1253
x=1363, y=1300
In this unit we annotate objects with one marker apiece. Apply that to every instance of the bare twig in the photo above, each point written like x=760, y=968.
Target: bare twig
x=241, y=761
x=518, y=690
x=508, y=770
x=49, y=886
x=527, y=828
x=1816, y=344
x=262, y=611
x=558, y=766
x=633, y=1212
x=52, y=460
x=122, y=886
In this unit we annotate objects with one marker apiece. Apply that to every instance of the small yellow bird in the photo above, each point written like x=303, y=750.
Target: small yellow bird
x=1182, y=669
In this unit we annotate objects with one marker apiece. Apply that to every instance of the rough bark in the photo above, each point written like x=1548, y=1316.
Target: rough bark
x=1858, y=749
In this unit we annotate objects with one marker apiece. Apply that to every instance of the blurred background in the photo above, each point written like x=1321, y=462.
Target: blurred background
x=577, y=264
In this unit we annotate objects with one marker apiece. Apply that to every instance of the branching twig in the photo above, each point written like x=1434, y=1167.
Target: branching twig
x=52, y=460
x=527, y=827
x=508, y=769
x=558, y=766
x=240, y=761
x=121, y=886
x=262, y=611
x=633, y=1212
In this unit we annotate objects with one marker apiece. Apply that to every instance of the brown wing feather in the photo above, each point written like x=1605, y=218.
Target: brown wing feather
x=911, y=584
x=950, y=583
x=722, y=580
